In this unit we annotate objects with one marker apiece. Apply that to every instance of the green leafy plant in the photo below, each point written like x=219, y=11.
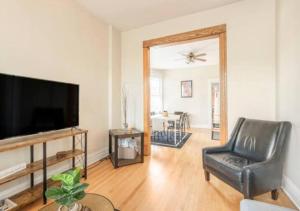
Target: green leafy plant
x=70, y=191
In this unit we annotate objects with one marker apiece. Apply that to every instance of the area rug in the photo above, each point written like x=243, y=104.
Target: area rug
x=168, y=141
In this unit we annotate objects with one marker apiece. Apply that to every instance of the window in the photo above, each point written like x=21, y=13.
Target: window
x=156, y=94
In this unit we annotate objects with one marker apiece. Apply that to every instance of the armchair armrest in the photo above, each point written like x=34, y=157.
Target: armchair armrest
x=209, y=150
x=267, y=175
x=268, y=168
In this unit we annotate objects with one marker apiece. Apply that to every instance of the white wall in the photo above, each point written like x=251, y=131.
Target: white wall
x=59, y=40
x=251, y=56
x=288, y=88
x=114, y=78
x=199, y=106
x=158, y=74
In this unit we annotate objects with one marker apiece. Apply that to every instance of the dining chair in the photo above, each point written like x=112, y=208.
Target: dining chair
x=157, y=127
x=172, y=123
x=179, y=125
x=187, y=121
x=184, y=122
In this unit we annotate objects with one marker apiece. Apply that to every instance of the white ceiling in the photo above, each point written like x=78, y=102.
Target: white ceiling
x=169, y=57
x=129, y=14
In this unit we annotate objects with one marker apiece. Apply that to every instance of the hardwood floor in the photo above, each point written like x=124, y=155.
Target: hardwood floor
x=171, y=179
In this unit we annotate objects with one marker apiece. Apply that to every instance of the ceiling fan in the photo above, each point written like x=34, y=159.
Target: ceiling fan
x=193, y=56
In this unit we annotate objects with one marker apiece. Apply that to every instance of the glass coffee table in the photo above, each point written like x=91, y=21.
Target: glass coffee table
x=93, y=201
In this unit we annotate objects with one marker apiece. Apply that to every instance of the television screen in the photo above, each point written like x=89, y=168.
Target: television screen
x=29, y=106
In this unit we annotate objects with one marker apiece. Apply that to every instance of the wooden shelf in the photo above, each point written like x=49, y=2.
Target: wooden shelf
x=35, y=192
x=38, y=165
x=30, y=195
x=14, y=143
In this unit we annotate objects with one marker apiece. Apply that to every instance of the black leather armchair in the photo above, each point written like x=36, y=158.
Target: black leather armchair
x=252, y=160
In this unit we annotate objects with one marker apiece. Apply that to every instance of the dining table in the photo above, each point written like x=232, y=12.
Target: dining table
x=167, y=118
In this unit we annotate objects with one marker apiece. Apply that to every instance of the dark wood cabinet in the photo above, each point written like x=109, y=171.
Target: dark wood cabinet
x=134, y=139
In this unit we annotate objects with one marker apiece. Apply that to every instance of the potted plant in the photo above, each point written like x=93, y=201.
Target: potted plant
x=70, y=191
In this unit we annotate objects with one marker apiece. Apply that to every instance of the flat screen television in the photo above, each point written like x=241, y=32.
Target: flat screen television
x=29, y=106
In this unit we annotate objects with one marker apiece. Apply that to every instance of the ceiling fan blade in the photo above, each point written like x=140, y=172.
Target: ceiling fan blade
x=202, y=60
x=201, y=54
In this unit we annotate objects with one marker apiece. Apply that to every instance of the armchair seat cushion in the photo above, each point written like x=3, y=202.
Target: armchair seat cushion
x=228, y=164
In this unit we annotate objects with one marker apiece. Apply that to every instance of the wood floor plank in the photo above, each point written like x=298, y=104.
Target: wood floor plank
x=171, y=179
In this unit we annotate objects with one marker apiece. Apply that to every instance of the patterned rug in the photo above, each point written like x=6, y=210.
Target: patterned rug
x=169, y=141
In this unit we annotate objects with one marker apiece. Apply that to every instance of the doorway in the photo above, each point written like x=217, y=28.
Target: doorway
x=215, y=110
x=201, y=34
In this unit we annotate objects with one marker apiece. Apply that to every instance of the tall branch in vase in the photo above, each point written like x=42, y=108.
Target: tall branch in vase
x=124, y=106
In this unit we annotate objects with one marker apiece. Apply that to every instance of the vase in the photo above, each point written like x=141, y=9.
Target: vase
x=125, y=125
x=73, y=207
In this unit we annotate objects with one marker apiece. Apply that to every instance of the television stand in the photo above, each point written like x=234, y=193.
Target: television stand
x=37, y=191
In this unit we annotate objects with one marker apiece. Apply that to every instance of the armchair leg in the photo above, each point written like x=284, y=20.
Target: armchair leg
x=206, y=174
x=274, y=194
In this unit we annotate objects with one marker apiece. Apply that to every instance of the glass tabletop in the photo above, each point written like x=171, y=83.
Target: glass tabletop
x=93, y=201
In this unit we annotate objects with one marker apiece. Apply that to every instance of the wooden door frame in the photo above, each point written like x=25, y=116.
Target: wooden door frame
x=205, y=33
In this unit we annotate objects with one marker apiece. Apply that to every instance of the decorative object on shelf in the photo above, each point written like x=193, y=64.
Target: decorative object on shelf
x=70, y=192
x=186, y=88
x=130, y=129
x=124, y=106
x=62, y=154
x=7, y=205
x=165, y=114
x=126, y=147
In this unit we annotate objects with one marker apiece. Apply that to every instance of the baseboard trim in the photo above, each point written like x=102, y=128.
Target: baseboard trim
x=98, y=155
x=291, y=190
x=92, y=158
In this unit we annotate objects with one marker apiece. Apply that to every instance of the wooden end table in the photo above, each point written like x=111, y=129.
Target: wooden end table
x=115, y=136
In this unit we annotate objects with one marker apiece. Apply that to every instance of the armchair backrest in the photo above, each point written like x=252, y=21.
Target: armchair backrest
x=257, y=139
